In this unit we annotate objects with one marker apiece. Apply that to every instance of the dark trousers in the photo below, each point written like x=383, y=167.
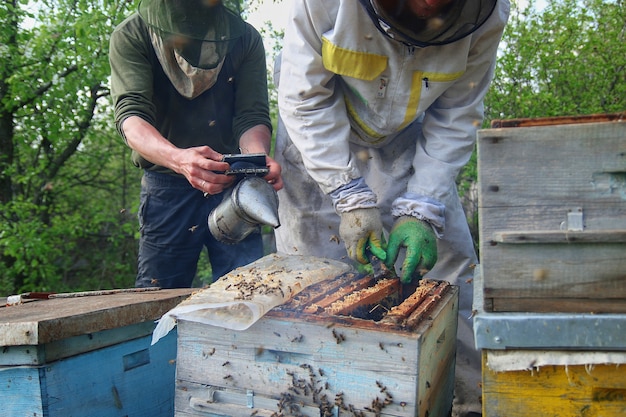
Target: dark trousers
x=173, y=224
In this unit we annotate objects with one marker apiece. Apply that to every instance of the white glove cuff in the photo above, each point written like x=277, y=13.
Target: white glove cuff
x=354, y=195
x=423, y=208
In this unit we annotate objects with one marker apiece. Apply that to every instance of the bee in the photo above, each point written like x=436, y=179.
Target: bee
x=380, y=385
x=339, y=399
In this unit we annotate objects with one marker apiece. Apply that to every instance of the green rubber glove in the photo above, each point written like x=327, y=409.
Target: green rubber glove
x=420, y=242
x=362, y=230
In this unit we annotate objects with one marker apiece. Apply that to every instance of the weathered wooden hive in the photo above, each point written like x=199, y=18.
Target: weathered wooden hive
x=552, y=213
x=87, y=354
x=550, y=291
x=352, y=346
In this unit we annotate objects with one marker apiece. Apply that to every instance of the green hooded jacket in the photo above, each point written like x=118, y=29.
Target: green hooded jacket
x=217, y=118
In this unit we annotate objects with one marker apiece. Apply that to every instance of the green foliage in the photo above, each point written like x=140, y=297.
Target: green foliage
x=569, y=59
x=63, y=174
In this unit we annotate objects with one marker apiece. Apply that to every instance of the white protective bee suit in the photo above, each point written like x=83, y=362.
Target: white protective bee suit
x=355, y=104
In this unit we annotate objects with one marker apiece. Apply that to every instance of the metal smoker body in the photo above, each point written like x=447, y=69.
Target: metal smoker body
x=252, y=202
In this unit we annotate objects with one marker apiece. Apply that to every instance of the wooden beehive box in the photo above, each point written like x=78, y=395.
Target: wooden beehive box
x=87, y=356
x=346, y=346
x=552, y=214
x=559, y=384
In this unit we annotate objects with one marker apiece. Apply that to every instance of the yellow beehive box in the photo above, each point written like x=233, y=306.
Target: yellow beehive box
x=523, y=383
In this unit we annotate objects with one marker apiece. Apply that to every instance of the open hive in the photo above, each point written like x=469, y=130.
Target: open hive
x=350, y=346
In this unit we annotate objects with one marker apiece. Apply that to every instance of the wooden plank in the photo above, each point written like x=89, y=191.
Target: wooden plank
x=559, y=120
x=21, y=392
x=565, y=236
x=560, y=167
x=556, y=271
x=425, y=308
x=435, y=384
x=45, y=321
x=512, y=302
x=65, y=348
x=557, y=390
x=365, y=297
x=405, y=309
x=322, y=290
x=333, y=295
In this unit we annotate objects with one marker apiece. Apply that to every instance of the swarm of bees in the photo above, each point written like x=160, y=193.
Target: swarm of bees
x=291, y=403
x=248, y=288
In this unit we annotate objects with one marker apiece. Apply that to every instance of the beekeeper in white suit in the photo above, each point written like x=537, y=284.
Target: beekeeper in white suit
x=379, y=105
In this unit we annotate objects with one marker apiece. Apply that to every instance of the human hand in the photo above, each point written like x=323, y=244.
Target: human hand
x=362, y=229
x=202, y=167
x=274, y=176
x=420, y=242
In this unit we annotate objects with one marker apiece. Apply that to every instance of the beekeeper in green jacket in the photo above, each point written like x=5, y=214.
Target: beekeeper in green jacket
x=379, y=102
x=189, y=84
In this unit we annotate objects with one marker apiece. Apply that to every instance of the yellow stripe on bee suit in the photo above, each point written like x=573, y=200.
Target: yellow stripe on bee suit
x=419, y=78
x=354, y=115
x=361, y=65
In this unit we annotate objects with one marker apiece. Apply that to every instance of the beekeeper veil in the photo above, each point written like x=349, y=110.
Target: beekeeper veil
x=191, y=39
x=428, y=22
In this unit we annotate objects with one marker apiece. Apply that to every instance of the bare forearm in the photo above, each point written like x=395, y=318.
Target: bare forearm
x=142, y=137
x=200, y=165
x=258, y=139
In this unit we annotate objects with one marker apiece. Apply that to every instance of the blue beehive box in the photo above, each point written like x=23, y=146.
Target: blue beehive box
x=88, y=356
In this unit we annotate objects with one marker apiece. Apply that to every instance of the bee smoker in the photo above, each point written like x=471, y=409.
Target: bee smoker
x=252, y=202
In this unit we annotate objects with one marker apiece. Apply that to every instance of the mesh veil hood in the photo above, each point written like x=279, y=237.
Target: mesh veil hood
x=191, y=18
x=459, y=19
